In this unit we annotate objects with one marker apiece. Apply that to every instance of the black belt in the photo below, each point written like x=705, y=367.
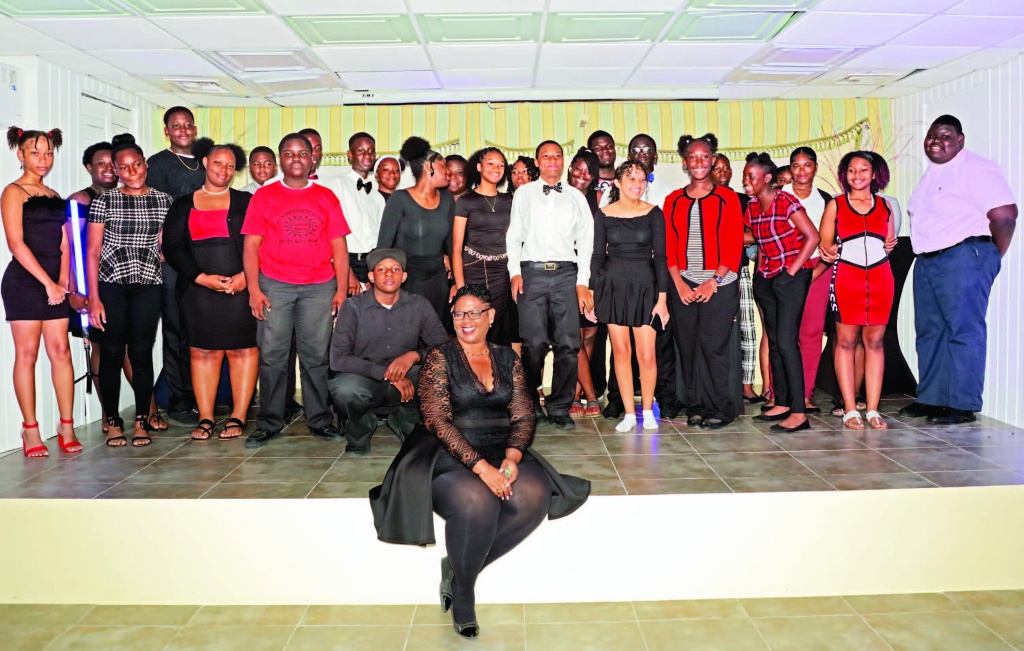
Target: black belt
x=974, y=239
x=548, y=266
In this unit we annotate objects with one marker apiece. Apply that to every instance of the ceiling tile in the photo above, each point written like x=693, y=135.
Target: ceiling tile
x=194, y=7
x=124, y=33
x=159, y=62
x=284, y=84
x=860, y=78
x=892, y=91
x=933, y=77
x=802, y=57
x=481, y=28
x=928, y=7
x=333, y=7
x=753, y=91
x=595, y=77
x=987, y=58
x=373, y=58
x=127, y=83
x=378, y=29
x=465, y=57
x=164, y=100
x=613, y=5
x=889, y=57
x=60, y=8
x=473, y=6
x=838, y=29
x=698, y=54
x=84, y=64
x=398, y=80
x=988, y=8
x=962, y=30
x=565, y=55
x=474, y=79
x=650, y=76
x=751, y=5
x=594, y=26
x=222, y=32
x=18, y=39
x=201, y=100
x=772, y=76
x=330, y=98
x=725, y=26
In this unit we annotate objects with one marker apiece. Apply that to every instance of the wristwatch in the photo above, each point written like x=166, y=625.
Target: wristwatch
x=719, y=279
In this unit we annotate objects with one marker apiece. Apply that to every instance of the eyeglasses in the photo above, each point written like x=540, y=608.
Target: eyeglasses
x=473, y=315
x=641, y=149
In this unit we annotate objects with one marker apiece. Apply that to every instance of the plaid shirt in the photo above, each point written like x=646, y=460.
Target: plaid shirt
x=776, y=237
x=130, y=254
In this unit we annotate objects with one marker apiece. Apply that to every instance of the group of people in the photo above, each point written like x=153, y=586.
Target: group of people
x=435, y=306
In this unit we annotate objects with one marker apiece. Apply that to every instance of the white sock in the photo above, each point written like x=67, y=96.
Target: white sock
x=627, y=424
x=649, y=421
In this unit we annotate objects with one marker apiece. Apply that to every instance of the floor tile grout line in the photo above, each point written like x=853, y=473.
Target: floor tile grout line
x=70, y=626
x=974, y=615
x=622, y=482
x=753, y=624
x=705, y=461
x=636, y=620
x=864, y=619
x=296, y=628
x=317, y=482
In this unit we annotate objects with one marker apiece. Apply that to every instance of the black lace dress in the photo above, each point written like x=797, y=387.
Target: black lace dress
x=471, y=422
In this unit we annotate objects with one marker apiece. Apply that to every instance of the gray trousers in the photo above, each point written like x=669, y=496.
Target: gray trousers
x=306, y=311
x=360, y=399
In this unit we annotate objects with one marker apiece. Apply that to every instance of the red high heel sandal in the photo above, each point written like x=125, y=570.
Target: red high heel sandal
x=39, y=451
x=74, y=447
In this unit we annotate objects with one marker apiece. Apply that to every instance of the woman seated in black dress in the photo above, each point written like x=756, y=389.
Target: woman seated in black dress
x=489, y=487
x=203, y=241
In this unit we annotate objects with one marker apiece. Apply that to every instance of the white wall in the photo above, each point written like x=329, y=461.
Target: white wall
x=49, y=96
x=990, y=104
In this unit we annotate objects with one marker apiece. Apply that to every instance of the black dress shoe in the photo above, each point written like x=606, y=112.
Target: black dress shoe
x=613, y=410
x=919, y=410
x=714, y=423
x=695, y=421
x=326, y=433
x=953, y=417
x=562, y=421
x=469, y=629
x=765, y=408
x=765, y=418
x=812, y=410
x=756, y=400
x=260, y=437
x=669, y=411
x=782, y=428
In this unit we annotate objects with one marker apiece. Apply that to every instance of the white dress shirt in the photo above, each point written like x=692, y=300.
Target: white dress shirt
x=362, y=211
x=556, y=227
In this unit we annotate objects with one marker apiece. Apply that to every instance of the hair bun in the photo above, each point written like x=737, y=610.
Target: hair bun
x=414, y=148
x=122, y=140
x=201, y=147
x=711, y=139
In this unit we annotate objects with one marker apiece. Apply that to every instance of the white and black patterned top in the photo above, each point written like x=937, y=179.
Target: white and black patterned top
x=130, y=254
x=695, y=271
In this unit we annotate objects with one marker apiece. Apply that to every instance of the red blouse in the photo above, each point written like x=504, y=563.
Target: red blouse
x=721, y=225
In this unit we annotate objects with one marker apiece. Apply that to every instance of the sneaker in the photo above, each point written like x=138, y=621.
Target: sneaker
x=562, y=421
x=260, y=437
x=327, y=433
x=184, y=417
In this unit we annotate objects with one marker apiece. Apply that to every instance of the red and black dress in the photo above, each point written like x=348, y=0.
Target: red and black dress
x=862, y=286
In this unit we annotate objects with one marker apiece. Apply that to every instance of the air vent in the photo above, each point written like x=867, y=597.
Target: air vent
x=868, y=78
x=197, y=85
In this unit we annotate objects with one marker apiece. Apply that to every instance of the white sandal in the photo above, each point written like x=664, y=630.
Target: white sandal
x=852, y=416
x=871, y=416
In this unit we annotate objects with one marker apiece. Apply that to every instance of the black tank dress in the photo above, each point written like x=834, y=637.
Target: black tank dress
x=25, y=297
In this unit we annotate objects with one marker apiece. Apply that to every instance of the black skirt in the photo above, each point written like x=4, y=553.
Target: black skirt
x=625, y=292
x=215, y=320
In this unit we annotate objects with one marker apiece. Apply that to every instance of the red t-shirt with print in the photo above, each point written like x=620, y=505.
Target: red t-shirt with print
x=297, y=226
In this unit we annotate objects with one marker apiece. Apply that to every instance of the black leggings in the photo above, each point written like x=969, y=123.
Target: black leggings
x=133, y=314
x=480, y=527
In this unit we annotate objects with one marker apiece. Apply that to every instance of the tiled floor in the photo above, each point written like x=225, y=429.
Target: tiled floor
x=957, y=621
x=744, y=457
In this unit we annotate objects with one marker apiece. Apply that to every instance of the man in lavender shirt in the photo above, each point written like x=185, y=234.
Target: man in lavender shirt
x=962, y=217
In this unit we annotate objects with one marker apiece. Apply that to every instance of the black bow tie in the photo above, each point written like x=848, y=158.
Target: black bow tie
x=556, y=187
x=364, y=185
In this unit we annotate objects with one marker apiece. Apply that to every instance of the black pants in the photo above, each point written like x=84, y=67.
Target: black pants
x=357, y=263
x=781, y=299
x=598, y=364
x=665, y=356
x=549, y=316
x=133, y=313
x=703, y=332
x=177, y=365
x=480, y=527
x=360, y=399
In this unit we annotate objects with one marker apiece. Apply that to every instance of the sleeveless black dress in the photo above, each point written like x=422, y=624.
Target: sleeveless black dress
x=25, y=297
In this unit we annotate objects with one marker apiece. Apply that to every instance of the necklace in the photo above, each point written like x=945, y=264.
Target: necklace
x=469, y=354
x=178, y=156
x=214, y=193
x=489, y=204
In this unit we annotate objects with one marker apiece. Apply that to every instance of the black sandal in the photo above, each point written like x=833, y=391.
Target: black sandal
x=119, y=424
x=206, y=426
x=231, y=423
x=161, y=424
x=142, y=441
